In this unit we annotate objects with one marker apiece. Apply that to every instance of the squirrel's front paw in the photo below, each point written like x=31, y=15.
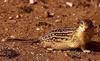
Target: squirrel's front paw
x=86, y=51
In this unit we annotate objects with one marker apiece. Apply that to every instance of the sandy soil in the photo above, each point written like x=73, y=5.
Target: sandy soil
x=19, y=19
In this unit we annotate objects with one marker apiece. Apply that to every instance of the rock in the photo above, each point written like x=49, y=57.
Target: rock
x=32, y=1
x=57, y=20
x=17, y=16
x=70, y=4
x=50, y=14
x=3, y=40
x=10, y=18
x=12, y=36
x=37, y=29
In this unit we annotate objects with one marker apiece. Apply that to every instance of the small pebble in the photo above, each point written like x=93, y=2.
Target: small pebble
x=49, y=49
x=70, y=4
x=50, y=14
x=37, y=29
x=10, y=18
x=5, y=0
x=99, y=4
x=3, y=40
x=36, y=17
x=57, y=20
x=54, y=51
x=6, y=29
x=40, y=54
x=32, y=53
x=17, y=16
x=58, y=16
x=65, y=53
x=32, y=1
x=73, y=14
x=12, y=36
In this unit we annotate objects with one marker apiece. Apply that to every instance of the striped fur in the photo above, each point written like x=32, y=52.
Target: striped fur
x=59, y=33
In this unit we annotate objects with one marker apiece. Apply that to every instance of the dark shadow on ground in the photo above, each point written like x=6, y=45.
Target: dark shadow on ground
x=93, y=46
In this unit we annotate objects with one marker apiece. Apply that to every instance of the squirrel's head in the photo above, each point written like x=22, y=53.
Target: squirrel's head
x=86, y=24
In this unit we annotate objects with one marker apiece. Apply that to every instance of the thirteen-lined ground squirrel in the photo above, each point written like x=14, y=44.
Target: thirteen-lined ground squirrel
x=69, y=38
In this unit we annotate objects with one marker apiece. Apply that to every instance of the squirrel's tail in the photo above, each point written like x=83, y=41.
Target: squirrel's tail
x=33, y=40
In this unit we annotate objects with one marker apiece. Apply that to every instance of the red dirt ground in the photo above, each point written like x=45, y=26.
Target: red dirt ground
x=21, y=20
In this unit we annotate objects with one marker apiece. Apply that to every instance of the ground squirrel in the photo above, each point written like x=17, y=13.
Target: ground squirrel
x=70, y=38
